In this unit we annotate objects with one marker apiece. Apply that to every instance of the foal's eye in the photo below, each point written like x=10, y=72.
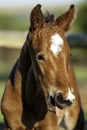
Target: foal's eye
x=40, y=57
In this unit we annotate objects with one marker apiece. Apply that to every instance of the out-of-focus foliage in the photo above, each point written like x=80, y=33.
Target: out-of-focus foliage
x=13, y=21
x=81, y=21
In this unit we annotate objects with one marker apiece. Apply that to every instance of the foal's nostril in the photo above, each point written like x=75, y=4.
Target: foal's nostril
x=59, y=98
x=61, y=101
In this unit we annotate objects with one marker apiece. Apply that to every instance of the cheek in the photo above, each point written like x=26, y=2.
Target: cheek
x=45, y=66
x=42, y=68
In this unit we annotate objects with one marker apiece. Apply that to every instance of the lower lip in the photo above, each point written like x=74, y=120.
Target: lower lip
x=58, y=111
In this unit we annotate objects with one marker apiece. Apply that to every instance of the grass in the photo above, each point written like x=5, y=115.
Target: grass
x=12, y=39
x=2, y=86
x=81, y=73
x=1, y=118
x=86, y=116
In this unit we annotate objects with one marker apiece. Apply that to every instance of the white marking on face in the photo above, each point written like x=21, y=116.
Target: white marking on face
x=56, y=44
x=70, y=96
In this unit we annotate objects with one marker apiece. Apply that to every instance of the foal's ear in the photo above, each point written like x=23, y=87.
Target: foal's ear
x=36, y=17
x=66, y=19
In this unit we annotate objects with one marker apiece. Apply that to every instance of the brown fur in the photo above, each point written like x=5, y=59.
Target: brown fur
x=25, y=99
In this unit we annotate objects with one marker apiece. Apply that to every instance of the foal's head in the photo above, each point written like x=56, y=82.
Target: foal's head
x=50, y=54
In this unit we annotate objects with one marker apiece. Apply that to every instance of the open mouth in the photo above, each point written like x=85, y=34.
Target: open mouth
x=53, y=102
x=57, y=107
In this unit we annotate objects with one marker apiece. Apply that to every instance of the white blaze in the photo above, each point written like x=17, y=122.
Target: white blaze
x=56, y=44
x=70, y=96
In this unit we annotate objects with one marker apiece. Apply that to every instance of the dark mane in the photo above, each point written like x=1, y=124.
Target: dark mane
x=49, y=18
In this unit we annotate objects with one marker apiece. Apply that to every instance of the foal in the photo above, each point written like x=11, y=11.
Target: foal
x=41, y=92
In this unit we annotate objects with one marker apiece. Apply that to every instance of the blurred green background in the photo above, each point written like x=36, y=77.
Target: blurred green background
x=14, y=24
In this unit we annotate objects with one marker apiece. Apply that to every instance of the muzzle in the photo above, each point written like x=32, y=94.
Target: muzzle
x=59, y=102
